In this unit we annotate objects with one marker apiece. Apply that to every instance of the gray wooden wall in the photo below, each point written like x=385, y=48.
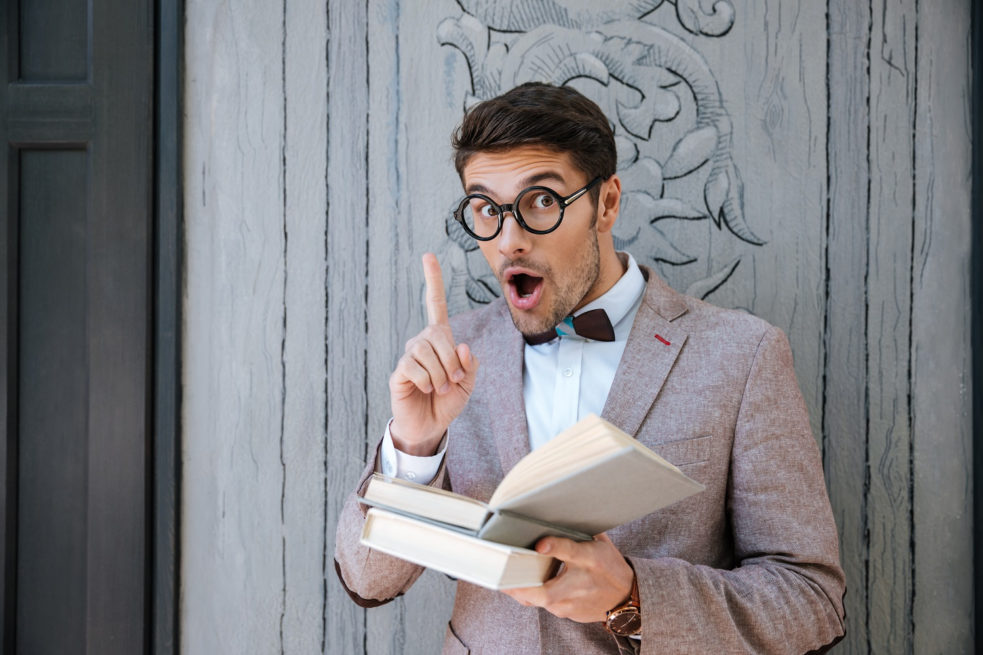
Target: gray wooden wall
x=805, y=161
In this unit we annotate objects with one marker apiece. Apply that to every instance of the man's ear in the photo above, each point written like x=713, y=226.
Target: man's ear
x=608, y=203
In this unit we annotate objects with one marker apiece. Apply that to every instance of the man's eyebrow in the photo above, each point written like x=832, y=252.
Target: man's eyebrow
x=531, y=180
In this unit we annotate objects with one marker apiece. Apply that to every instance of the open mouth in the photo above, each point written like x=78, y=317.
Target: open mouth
x=525, y=285
x=524, y=289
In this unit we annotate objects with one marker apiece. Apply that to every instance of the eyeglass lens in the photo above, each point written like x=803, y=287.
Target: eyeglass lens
x=539, y=209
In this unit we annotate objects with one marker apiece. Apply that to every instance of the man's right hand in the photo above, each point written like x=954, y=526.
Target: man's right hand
x=433, y=379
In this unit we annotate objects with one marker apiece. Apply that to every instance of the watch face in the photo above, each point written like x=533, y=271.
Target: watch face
x=626, y=622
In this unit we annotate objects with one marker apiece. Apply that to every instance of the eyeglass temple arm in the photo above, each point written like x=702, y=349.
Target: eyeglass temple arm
x=576, y=194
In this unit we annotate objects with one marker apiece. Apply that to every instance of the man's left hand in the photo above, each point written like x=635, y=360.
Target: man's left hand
x=594, y=578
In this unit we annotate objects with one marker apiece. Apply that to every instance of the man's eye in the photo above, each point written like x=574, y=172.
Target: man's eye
x=543, y=201
x=487, y=211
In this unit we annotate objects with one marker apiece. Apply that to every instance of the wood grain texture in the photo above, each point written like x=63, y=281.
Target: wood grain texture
x=345, y=245
x=942, y=484
x=303, y=432
x=233, y=541
x=892, y=115
x=409, y=168
x=389, y=272
x=775, y=92
x=844, y=409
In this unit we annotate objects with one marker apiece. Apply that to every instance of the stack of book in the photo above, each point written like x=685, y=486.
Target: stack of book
x=588, y=479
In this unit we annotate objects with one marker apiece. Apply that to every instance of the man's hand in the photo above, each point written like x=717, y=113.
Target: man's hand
x=433, y=379
x=594, y=578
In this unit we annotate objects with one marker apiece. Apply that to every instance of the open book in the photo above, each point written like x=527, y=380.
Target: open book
x=588, y=479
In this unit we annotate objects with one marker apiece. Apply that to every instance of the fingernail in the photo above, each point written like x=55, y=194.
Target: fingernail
x=444, y=388
x=457, y=375
x=544, y=547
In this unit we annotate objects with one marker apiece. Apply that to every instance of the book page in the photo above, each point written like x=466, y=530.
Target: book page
x=591, y=477
x=589, y=439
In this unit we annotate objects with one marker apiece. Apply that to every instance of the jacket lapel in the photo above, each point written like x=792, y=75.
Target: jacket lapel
x=653, y=345
x=508, y=420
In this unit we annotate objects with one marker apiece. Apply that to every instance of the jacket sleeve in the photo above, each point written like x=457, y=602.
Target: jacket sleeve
x=371, y=578
x=785, y=592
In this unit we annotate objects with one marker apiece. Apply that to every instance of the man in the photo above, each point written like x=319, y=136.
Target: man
x=751, y=564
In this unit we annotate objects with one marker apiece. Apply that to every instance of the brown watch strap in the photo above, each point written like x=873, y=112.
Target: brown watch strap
x=625, y=619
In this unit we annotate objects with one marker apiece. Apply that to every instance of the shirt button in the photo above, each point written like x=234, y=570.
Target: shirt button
x=410, y=475
x=567, y=372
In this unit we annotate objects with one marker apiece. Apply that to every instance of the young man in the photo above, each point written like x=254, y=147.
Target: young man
x=751, y=564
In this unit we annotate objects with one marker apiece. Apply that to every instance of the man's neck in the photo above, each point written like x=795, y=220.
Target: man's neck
x=613, y=265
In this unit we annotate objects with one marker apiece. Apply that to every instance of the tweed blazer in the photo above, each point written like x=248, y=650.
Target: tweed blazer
x=750, y=565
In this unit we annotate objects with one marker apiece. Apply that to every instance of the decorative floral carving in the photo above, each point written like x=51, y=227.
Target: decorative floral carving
x=645, y=75
x=525, y=15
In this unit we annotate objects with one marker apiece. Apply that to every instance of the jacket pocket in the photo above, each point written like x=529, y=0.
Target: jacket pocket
x=686, y=452
x=453, y=644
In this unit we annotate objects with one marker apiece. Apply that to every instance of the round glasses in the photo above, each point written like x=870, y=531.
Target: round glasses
x=538, y=209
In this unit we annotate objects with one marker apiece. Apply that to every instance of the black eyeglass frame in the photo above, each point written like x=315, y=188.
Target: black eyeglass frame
x=513, y=207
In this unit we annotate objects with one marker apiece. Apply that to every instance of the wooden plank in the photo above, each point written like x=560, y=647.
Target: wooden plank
x=388, y=293
x=845, y=375
x=232, y=542
x=941, y=375
x=770, y=72
x=303, y=446
x=891, y=97
x=345, y=244
x=412, y=183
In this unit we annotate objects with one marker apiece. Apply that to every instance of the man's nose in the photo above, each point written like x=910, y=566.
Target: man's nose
x=513, y=239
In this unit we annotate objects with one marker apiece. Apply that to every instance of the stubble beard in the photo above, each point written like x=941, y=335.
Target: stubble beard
x=584, y=275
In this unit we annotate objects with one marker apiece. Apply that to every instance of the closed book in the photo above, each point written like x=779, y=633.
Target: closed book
x=478, y=561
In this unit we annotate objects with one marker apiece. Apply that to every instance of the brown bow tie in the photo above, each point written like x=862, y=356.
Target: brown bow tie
x=594, y=325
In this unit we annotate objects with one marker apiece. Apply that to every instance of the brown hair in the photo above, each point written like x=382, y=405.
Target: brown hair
x=539, y=114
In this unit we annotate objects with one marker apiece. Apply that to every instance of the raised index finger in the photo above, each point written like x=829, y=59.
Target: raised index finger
x=436, y=300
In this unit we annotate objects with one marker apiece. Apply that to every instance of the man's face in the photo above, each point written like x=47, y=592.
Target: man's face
x=544, y=277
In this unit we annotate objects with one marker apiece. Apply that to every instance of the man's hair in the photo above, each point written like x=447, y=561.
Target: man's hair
x=537, y=114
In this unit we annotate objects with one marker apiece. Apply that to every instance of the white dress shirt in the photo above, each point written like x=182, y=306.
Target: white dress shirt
x=563, y=380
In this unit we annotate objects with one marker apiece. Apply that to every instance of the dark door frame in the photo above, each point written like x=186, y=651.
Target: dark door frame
x=164, y=577
x=160, y=453
x=976, y=294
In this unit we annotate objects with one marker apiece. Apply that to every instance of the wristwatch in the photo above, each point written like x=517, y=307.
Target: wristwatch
x=625, y=619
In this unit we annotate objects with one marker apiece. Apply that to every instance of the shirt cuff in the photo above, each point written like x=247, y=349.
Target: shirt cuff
x=397, y=464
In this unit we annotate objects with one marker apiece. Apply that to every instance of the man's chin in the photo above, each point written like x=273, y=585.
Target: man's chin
x=531, y=326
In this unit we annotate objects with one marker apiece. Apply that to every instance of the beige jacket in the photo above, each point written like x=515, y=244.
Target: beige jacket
x=750, y=565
